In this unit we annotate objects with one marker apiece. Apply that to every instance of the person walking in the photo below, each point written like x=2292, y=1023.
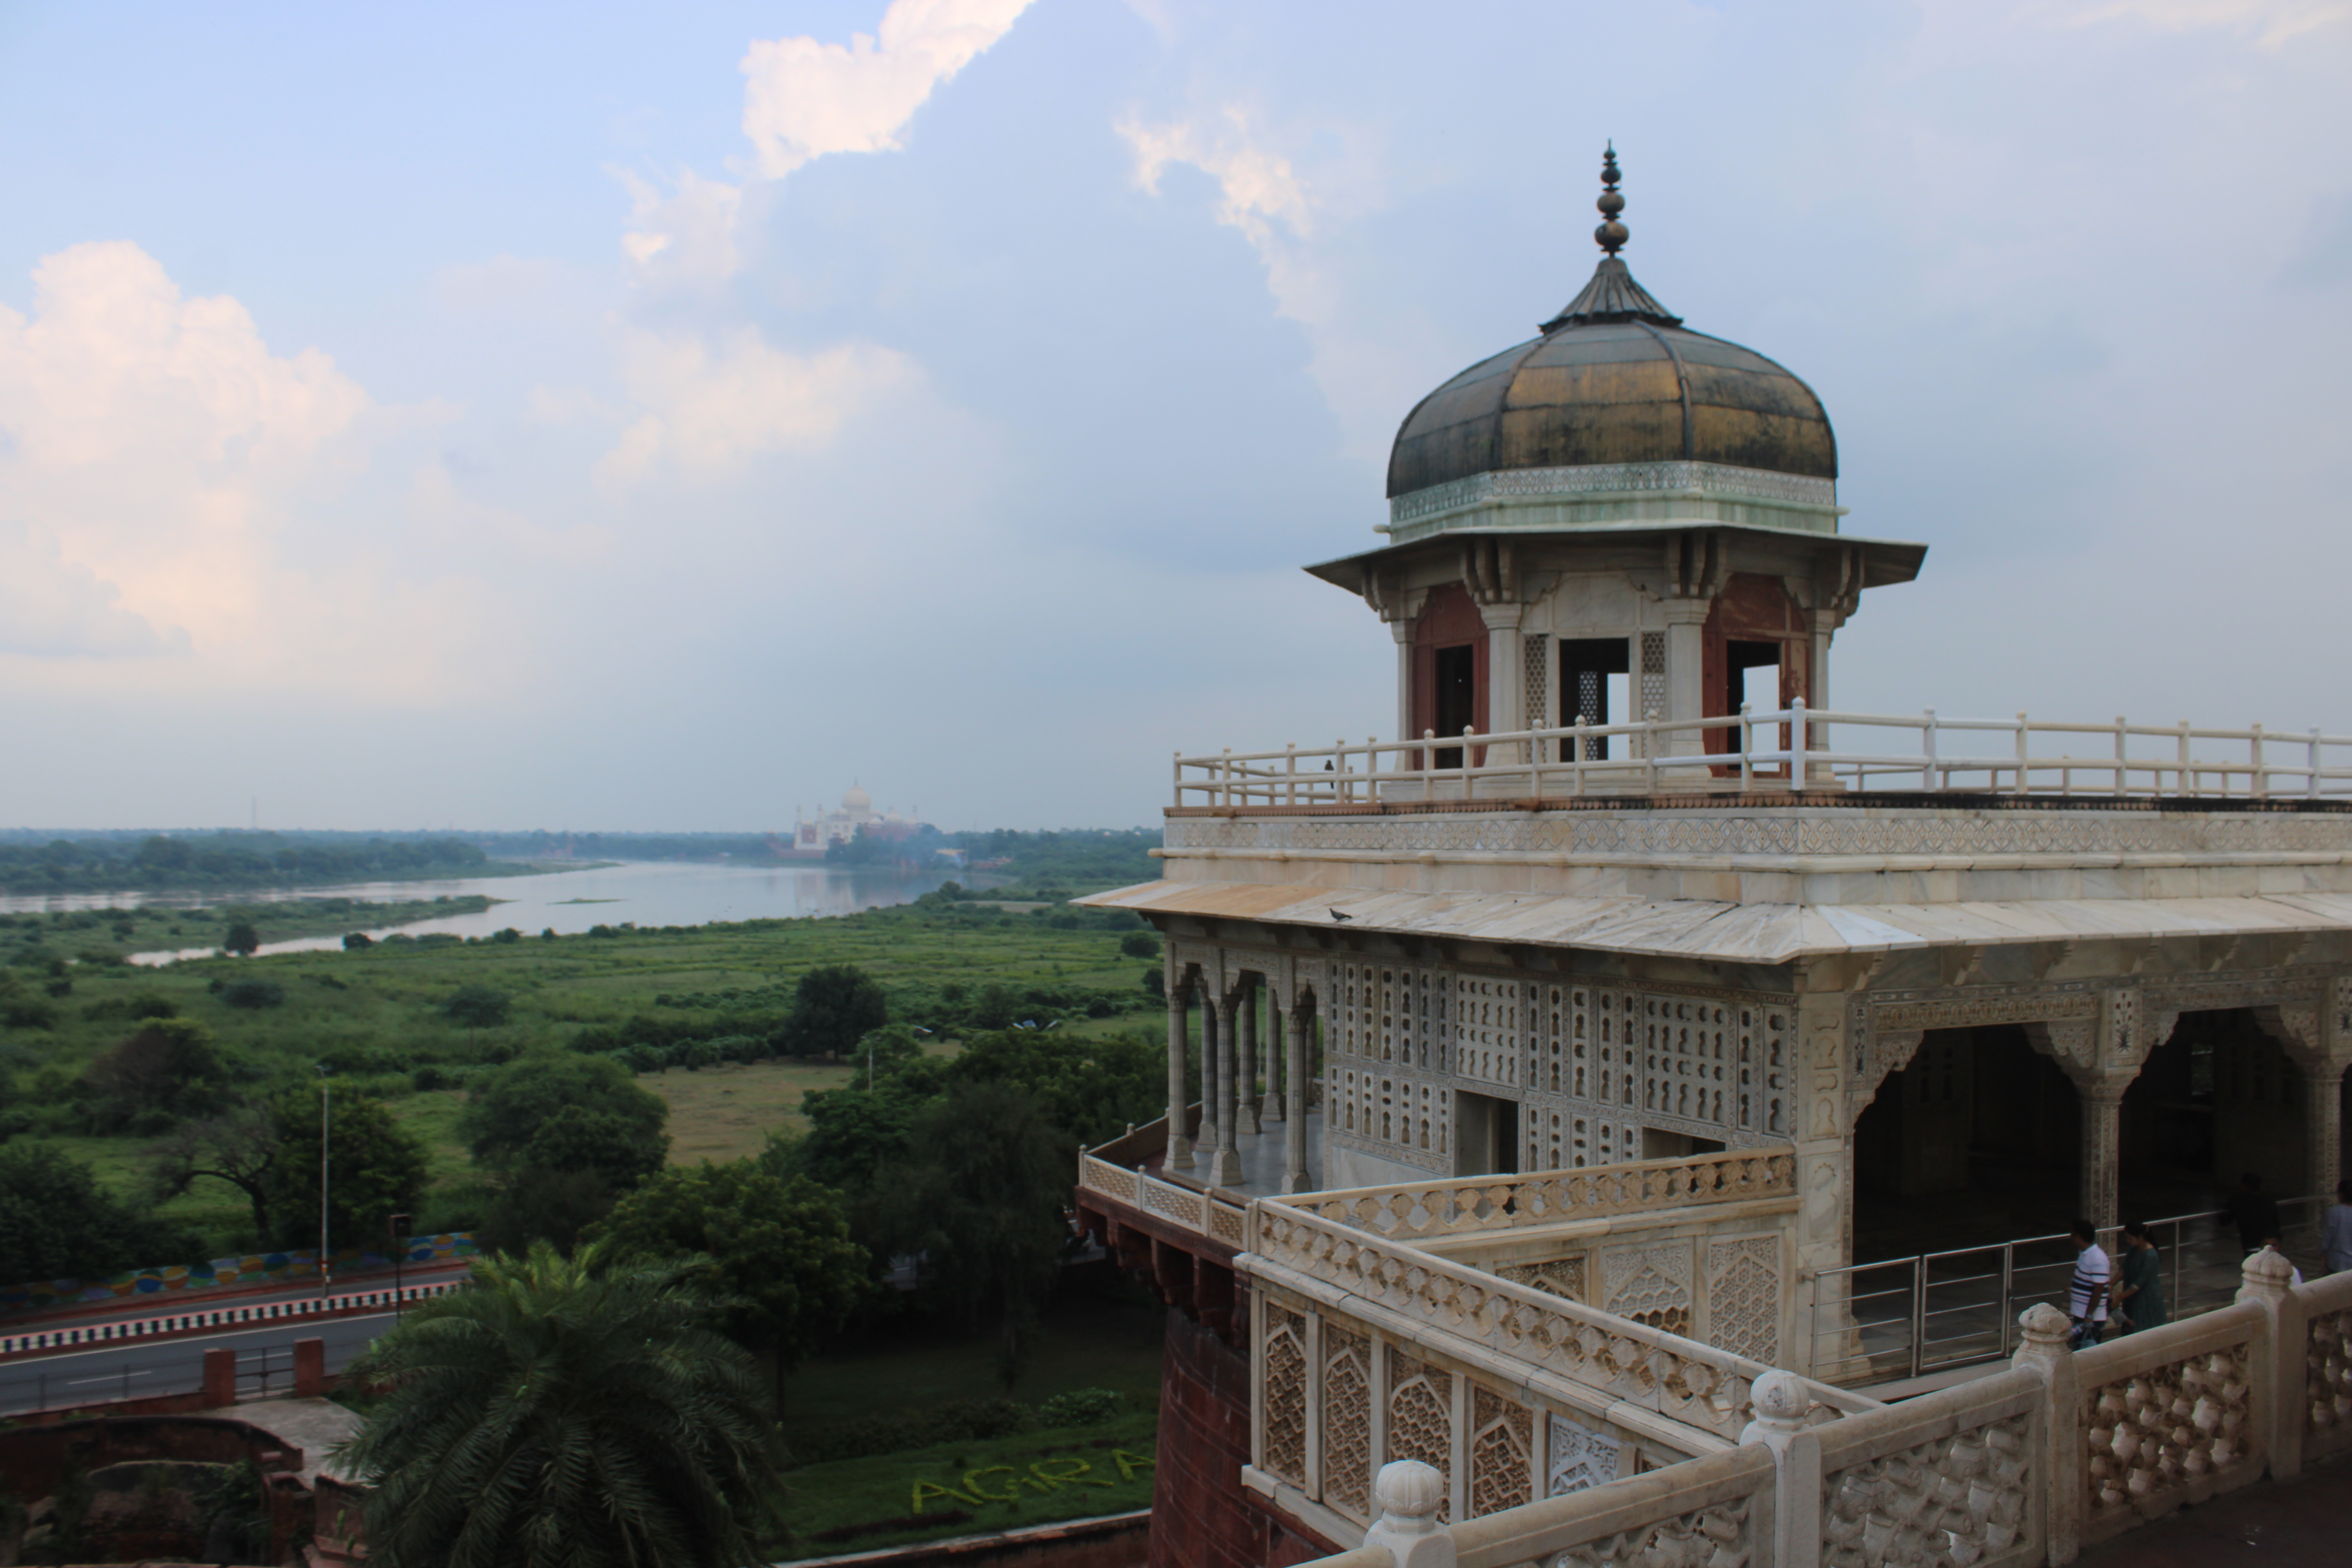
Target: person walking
x=2336, y=1231
x=2255, y=1212
x=2139, y=1295
x=2086, y=1299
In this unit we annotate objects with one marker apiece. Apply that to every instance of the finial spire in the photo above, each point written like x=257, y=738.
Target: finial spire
x=1613, y=295
x=1611, y=235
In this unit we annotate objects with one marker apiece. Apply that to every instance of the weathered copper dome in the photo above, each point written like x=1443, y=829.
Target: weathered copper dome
x=1615, y=378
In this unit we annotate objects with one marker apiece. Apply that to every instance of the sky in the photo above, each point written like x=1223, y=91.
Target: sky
x=600, y=417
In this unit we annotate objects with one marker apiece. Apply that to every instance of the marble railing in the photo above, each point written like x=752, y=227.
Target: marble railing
x=1212, y=1215
x=1740, y=751
x=1427, y=1209
x=2023, y=1468
x=1619, y=1359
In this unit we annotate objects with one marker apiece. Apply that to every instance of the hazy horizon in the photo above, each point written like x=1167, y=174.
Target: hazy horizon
x=592, y=415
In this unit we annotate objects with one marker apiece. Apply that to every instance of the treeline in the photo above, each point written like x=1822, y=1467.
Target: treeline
x=226, y=860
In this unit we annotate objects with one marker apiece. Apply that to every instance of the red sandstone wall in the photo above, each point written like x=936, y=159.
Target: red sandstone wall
x=1199, y=1519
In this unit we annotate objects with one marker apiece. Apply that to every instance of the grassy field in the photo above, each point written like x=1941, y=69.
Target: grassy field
x=963, y=1489
x=375, y=1017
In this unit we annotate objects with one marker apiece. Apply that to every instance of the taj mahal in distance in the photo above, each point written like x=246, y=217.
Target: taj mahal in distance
x=1545, y=1080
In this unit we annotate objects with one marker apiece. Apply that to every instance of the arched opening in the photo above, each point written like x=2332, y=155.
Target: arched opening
x=1979, y=1140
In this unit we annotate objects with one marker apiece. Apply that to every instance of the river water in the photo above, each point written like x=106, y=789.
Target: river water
x=641, y=892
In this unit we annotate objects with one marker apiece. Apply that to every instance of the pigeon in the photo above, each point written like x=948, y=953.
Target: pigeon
x=1338, y=916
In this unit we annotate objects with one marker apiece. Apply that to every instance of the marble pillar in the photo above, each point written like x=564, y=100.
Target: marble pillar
x=1179, y=1142
x=1506, y=679
x=2102, y=1169
x=1293, y=1094
x=1207, y=1140
x=1225, y=1164
x=1245, y=1061
x=1277, y=1063
x=2323, y=1127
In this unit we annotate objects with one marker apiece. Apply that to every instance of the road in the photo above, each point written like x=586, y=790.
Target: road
x=142, y=1369
x=166, y=1303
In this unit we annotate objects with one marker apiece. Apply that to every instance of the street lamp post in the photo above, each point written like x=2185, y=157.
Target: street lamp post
x=325, y=1281
x=398, y=1225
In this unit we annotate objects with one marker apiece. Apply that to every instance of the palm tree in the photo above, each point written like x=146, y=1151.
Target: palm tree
x=563, y=1413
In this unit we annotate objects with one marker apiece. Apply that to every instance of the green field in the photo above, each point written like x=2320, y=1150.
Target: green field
x=374, y=1017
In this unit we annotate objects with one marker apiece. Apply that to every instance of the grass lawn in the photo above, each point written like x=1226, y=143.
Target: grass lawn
x=727, y=1111
x=964, y=1489
x=1096, y=1332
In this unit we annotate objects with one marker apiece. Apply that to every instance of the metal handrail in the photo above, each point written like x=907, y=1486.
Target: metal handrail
x=1917, y=1351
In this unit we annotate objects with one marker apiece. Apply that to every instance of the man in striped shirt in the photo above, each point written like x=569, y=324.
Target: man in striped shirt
x=2086, y=1300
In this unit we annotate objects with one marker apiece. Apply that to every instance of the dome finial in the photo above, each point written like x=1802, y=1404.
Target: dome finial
x=1611, y=235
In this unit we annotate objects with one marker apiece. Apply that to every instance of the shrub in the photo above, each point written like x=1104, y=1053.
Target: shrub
x=253, y=996
x=1139, y=945
x=1081, y=1407
x=959, y=1421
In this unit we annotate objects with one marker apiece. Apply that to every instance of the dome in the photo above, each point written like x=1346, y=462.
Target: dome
x=857, y=800
x=1615, y=378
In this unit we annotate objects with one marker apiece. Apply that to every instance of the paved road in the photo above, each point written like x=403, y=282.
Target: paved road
x=166, y=1303
x=138, y=1370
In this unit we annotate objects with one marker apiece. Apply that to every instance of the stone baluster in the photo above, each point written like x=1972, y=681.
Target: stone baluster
x=1179, y=1142
x=2267, y=1279
x=1294, y=1093
x=1225, y=1164
x=1408, y=1493
x=1245, y=1060
x=2044, y=1351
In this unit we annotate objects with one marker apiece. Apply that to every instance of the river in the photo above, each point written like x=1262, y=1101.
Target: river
x=640, y=892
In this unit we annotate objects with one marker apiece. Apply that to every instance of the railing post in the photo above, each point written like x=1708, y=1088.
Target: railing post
x=1579, y=741
x=1746, y=744
x=1177, y=779
x=1428, y=765
x=2024, y=752
x=2313, y=789
x=2045, y=1354
x=1918, y=1311
x=1928, y=739
x=1781, y=1401
x=1470, y=763
x=2122, y=773
x=2267, y=1278
x=1226, y=779
x=1650, y=745
x=1290, y=769
x=1798, y=744
x=2188, y=778
x=2258, y=784
x=1341, y=790
x=1408, y=1493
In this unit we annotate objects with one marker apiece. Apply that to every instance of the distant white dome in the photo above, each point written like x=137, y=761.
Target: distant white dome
x=857, y=800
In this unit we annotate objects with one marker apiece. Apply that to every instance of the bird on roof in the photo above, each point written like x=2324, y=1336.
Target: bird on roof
x=1338, y=916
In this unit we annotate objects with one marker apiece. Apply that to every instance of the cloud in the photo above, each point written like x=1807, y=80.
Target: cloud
x=707, y=413
x=2272, y=22
x=686, y=235
x=807, y=99
x=51, y=608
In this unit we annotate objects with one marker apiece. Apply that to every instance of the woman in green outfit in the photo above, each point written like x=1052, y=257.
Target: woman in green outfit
x=2140, y=1294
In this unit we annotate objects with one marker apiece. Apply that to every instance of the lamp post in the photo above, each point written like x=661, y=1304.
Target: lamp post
x=325, y=1282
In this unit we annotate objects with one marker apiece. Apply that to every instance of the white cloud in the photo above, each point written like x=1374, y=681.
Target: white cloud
x=686, y=235
x=51, y=608
x=2271, y=22
x=707, y=413
x=807, y=99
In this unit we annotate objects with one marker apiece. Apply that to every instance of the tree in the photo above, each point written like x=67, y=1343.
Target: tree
x=778, y=1248
x=1089, y=1089
x=241, y=939
x=1139, y=945
x=531, y=1205
x=475, y=1006
x=509, y=1106
x=833, y=1007
x=238, y=1146
x=981, y=1204
x=377, y=1167
x=58, y=1223
x=562, y=1414
x=600, y=1143
x=170, y=1068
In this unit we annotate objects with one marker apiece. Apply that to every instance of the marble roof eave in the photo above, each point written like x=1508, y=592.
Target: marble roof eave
x=1891, y=559
x=1730, y=933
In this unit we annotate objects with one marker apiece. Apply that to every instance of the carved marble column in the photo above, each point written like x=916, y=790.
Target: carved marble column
x=2322, y=1126
x=1275, y=1060
x=1403, y=631
x=1180, y=1143
x=2102, y=1168
x=1207, y=1141
x=1293, y=1094
x=1506, y=679
x=1686, y=677
x=1245, y=1060
x=1819, y=1328
x=1225, y=1164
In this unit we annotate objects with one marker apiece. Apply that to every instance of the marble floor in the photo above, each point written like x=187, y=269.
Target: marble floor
x=1261, y=1160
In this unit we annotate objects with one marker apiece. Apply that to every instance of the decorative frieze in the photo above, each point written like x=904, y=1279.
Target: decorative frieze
x=1586, y=479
